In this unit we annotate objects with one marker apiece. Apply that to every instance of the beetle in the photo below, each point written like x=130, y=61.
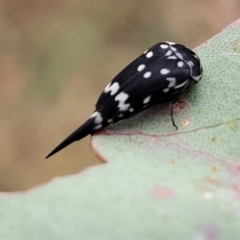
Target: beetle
x=161, y=74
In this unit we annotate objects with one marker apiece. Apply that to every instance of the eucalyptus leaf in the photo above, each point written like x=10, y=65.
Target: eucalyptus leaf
x=158, y=183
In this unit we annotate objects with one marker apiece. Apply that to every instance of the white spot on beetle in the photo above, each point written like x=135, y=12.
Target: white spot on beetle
x=147, y=99
x=131, y=110
x=112, y=89
x=179, y=55
x=168, y=53
x=122, y=97
x=164, y=71
x=98, y=127
x=181, y=85
x=149, y=54
x=164, y=46
x=173, y=49
x=196, y=56
x=180, y=64
x=110, y=120
x=107, y=87
x=147, y=74
x=190, y=63
x=120, y=115
x=141, y=67
x=172, y=83
x=98, y=118
x=172, y=57
x=171, y=43
x=166, y=90
x=197, y=78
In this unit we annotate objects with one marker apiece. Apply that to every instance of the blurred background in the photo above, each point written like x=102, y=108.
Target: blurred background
x=56, y=56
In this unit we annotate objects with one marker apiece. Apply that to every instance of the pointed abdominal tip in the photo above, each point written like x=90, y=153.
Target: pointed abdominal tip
x=78, y=134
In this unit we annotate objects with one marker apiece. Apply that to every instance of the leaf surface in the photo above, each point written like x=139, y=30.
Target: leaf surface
x=159, y=183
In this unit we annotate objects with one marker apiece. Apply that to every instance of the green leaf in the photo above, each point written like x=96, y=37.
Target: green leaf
x=159, y=183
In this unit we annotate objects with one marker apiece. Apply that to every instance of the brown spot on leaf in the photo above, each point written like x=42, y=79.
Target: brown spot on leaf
x=163, y=192
x=179, y=105
x=214, y=169
x=185, y=122
x=214, y=138
x=210, y=180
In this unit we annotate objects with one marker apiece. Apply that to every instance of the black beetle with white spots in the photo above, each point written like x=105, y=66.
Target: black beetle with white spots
x=161, y=74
